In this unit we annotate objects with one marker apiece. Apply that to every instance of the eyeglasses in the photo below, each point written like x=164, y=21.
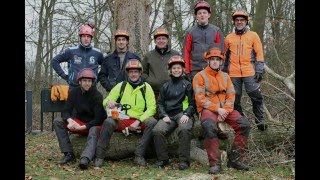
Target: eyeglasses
x=240, y=20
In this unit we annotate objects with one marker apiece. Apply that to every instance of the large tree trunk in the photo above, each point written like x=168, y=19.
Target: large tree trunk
x=133, y=16
x=260, y=17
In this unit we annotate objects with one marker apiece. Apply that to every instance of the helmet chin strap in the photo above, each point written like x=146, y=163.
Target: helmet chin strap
x=89, y=45
x=240, y=31
x=217, y=70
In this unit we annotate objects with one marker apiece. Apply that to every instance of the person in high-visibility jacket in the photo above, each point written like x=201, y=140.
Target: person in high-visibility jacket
x=141, y=113
x=245, y=65
x=215, y=95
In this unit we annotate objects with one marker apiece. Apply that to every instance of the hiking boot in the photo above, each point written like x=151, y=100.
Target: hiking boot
x=215, y=169
x=237, y=165
x=98, y=162
x=161, y=164
x=222, y=135
x=262, y=126
x=68, y=157
x=84, y=163
x=139, y=161
x=183, y=165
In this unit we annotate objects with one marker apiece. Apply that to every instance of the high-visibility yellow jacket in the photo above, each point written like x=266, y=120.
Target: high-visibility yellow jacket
x=134, y=98
x=213, y=90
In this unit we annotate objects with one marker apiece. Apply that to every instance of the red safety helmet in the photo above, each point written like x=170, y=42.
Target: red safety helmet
x=122, y=33
x=86, y=29
x=86, y=73
x=176, y=59
x=213, y=52
x=242, y=13
x=202, y=5
x=134, y=64
x=161, y=31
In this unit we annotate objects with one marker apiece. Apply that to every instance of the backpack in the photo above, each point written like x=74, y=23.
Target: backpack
x=143, y=91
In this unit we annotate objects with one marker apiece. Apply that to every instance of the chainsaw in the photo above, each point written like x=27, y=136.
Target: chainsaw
x=119, y=112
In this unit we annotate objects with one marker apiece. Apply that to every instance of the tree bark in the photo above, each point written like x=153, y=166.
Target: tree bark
x=260, y=17
x=122, y=147
x=133, y=16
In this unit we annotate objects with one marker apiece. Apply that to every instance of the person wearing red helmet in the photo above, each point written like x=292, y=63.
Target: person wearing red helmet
x=138, y=95
x=176, y=108
x=78, y=57
x=245, y=65
x=112, y=69
x=200, y=38
x=87, y=103
x=215, y=95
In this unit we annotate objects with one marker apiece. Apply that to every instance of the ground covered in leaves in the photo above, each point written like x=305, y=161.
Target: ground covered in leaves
x=42, y=152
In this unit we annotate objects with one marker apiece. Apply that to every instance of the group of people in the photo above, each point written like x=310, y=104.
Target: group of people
x=164, y=90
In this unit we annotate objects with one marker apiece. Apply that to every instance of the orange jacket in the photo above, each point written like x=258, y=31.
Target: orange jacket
x=213, y=90
x=59, y=92
x=242, y=52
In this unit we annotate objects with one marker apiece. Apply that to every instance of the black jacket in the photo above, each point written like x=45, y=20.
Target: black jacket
x=171, y=97
x=110, y=73
x=88, y=106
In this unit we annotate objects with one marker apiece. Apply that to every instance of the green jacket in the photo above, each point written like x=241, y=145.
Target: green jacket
x=155, y=68
x=134, y=98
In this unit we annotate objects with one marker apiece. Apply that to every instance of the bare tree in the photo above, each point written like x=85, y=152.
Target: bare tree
x=260, y=17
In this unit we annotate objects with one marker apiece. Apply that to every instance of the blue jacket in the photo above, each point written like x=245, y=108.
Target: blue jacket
x=110, y=73
x=78, y=57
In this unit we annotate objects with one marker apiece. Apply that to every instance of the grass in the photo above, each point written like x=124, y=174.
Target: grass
x=42, y=151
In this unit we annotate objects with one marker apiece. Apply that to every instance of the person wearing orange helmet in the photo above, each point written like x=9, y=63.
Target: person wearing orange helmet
x=112, y=69
x=176, y=108
x=87, y=103
x=78, y=57
x=140, y=97
x=215, y=95
x=200, y=38
x=155, y=61
x=245, y=65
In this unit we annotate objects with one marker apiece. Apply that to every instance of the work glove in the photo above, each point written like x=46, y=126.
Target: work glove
x=258, y=77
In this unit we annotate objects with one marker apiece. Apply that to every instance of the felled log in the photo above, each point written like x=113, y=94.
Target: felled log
x=122, y=146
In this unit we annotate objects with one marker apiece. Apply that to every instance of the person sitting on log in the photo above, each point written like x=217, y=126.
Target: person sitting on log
x=176, y=102
x=140, y=97
x=86, y=100
x=215, y=96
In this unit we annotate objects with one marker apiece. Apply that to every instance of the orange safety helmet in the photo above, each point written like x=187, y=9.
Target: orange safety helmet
x=134, y=64
x=122, y=33
x=160, y=31
x=213, y=52
x=176, y=59
x=86, y=73
x=202, y=5
x=242, y=13
x=86, y=29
